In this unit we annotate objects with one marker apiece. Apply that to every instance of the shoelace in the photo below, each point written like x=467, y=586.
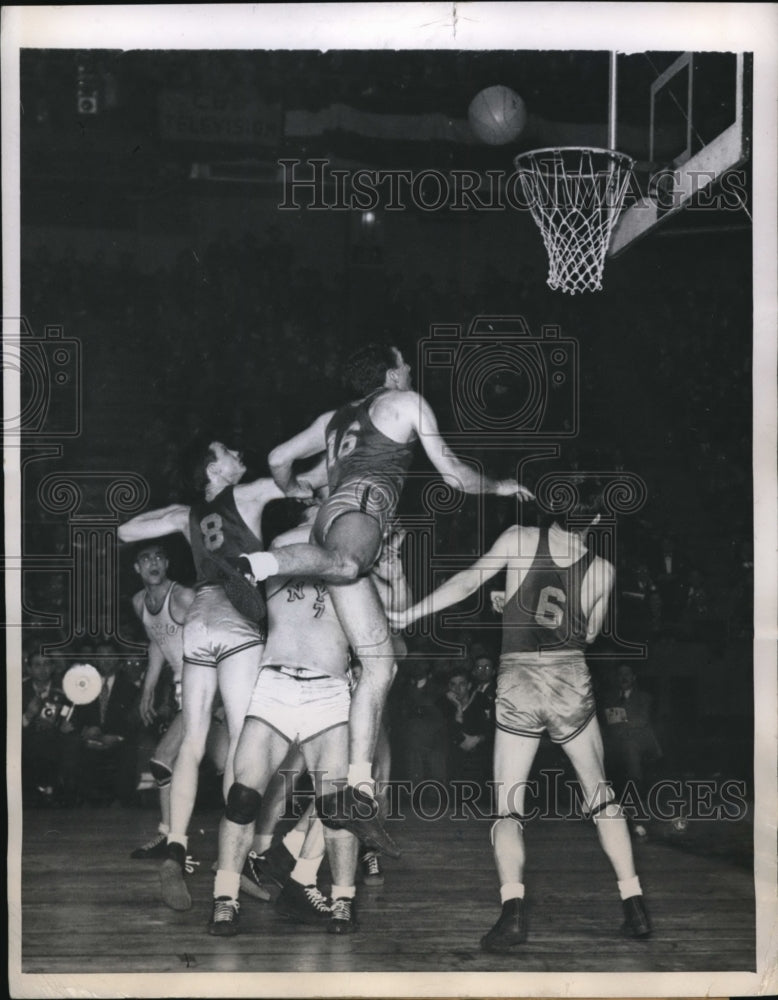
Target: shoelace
x=341, y=909
x=225, y=910
x=155, y=842
x=371, y=863
x=190, y=864
x=317, y=899
x=255, y=865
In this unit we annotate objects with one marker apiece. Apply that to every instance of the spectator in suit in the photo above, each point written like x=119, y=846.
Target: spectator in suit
x=630, y=740
x=108, y=730
x=471, y=722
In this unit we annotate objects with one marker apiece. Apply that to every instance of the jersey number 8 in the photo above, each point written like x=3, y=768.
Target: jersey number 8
x=211, y=528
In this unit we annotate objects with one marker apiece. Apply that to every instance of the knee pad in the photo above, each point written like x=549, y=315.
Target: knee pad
x=160, y=772
x=514, y=817
x=608, y=810
x=242, y=804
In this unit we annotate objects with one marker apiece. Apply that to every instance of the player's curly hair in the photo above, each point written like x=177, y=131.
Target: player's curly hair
x=202, y=455
x=365, y=370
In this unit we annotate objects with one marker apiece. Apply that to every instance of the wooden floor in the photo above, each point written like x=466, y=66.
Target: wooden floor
x=88, y=908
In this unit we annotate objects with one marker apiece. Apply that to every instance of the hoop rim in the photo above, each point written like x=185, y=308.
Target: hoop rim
x=625, y=158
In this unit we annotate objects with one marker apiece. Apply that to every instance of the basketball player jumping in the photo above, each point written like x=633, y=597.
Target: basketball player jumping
x=223, y=635
x=369, y=445
x=556, y=596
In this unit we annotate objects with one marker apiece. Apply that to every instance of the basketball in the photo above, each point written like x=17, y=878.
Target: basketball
x=497, y=115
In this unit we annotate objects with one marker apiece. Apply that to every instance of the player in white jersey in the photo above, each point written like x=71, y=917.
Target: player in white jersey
x=162, y=606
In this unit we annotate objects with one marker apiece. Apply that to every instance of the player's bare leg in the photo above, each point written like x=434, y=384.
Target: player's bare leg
x=161, y=767
x=199, y=690
x=269, y=865
x=237, y=675
x=513, y=757
x=259, y=753
x=586, y=754
x=326, y=756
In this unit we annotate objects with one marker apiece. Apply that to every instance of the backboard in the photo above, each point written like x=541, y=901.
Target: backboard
x=699, y=130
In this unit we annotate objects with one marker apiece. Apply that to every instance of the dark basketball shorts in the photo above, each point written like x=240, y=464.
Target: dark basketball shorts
x=375, y=497
x=299, y=704
x=215, y=630
x=539, y=693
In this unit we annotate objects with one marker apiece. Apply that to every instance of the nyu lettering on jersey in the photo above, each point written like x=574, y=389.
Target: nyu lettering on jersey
x=168, y=634
x=545, y=614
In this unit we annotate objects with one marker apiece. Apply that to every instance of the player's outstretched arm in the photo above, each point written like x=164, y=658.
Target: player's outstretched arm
x=455, y=472
x=153, y=523
x=462, y=584
x=306, y=444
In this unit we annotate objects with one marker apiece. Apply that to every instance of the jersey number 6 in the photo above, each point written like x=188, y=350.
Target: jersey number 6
x=549, y=612
x=347, y=443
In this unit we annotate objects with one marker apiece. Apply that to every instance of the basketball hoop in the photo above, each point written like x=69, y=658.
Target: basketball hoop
x=575, y=196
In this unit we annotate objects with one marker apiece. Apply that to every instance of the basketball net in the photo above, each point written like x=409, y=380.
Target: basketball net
x=575, y=195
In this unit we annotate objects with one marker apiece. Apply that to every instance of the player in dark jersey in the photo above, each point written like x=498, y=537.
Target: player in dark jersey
x=556, y=596
x=369, y=446
x=223, y=632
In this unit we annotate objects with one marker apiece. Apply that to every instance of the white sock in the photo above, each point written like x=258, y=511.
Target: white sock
x=178, y=838
x=343, y=891
x=511, y=890
x=263, y=564
x=164, y=829
x=360, y=775
x=226, y=884
x=293, y=842
x=630, y=887
x=306, y=870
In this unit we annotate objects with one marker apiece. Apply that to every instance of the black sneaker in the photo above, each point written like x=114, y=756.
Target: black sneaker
x=224, y=917
x=636, y=922
x=303, y=903
x=273, y=865
x=510, y=930
x=155, y=848
x=344, y=917
x=252, y=881
x=353, y=810
x=171, y=879
x=372, y=872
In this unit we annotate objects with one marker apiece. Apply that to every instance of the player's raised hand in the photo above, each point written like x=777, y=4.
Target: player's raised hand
x=299, y=489
x=389, y=562
x=399, y=619
x=512, y=488
x=498, y=601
